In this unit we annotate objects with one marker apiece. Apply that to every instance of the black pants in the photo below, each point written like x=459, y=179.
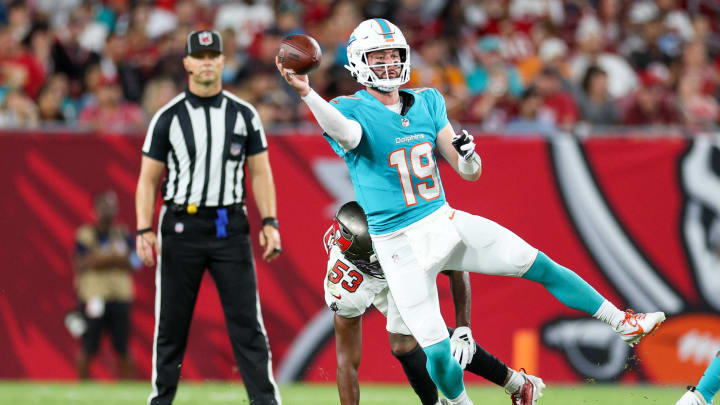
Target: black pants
x=116, y=320
x=189, y=245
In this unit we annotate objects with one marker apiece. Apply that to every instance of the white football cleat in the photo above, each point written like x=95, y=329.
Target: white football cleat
x=692, y=397
x=529, y=392
x=635, y=326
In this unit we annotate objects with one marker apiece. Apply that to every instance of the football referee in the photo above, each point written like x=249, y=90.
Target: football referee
x=201, y=141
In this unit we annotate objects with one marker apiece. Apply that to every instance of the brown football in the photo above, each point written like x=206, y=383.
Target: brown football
x=300, y=53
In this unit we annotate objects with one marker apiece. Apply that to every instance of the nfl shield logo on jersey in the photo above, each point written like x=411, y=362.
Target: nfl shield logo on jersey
x=179, y=227
x=235, y=149
x=405, y=122
x=205, y=38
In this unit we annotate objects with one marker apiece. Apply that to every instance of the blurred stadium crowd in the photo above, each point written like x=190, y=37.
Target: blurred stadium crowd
x=515, y=66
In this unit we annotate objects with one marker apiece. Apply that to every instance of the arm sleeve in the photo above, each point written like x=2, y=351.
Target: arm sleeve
x=345, y=131
x=157, y=139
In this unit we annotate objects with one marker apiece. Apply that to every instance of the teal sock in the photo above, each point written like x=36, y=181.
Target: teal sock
x=710, y=382
x=444, y=370
x=564, y=284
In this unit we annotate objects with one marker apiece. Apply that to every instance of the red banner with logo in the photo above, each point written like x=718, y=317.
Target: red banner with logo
x=636, y=218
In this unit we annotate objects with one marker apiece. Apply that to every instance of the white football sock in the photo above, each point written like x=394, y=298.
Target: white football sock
x=515, y=381
x=463, y=399
x=609, y=314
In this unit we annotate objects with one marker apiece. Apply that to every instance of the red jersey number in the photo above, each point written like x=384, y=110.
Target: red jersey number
x=338, y=272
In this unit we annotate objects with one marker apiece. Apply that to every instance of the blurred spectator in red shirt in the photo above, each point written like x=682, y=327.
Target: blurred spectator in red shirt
x=651, y=104
x=698, y=109
x=111, y=113
x=695, y=61
x=19, y=67
x=39, y=43
x=558, y=108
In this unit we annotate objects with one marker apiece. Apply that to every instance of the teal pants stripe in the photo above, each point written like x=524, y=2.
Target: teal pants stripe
x=564, y=285
x=444, y=370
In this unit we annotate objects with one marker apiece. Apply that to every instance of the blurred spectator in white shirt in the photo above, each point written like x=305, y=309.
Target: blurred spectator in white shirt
x=247, y=17
x=590, y=38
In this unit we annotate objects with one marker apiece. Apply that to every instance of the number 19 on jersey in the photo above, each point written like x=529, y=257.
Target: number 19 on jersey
x=421, y=165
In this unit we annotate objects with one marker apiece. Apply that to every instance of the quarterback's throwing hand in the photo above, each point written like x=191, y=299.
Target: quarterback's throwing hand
x=464, y=145
x=462, y=345
x=300, y=83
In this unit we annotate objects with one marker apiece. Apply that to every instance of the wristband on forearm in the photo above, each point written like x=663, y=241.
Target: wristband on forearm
x=471, y=165
x=272, y=221
x=144, y=230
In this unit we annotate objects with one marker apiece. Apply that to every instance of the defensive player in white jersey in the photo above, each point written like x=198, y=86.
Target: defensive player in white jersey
x=388, y=138
x=354, y=281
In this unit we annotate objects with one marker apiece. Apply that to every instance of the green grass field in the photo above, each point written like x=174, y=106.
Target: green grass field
x=26, y=393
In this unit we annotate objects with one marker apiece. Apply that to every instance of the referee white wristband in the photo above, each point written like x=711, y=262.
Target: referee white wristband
x=470, y=166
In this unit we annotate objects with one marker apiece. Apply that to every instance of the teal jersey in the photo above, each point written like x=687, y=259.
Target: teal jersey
x=393, y=169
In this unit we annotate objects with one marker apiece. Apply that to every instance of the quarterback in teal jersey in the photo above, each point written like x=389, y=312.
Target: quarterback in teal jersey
x=389, y=139
x=380, y=161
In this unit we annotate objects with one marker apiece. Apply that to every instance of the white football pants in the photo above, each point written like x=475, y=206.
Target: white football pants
x=447, y=239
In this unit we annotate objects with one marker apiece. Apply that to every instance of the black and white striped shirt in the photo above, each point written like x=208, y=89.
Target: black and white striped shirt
x=204, y=142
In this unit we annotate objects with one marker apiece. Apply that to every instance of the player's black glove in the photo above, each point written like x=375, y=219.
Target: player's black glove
x=464, y=145
x=468, y=162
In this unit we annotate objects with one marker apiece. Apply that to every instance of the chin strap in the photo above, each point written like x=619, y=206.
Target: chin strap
x=386, y=89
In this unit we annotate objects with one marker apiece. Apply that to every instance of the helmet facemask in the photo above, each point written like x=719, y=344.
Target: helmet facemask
x=377, y=35
x=384, y=82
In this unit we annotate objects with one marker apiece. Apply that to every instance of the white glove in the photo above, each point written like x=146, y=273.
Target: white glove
x=462, y=345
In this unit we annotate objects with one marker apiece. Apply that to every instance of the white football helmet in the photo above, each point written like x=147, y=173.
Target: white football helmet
x=374, y=35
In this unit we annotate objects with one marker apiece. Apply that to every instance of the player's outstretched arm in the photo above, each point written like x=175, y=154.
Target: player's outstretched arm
x=345, y=131
x=466, y=165
x=348, y=349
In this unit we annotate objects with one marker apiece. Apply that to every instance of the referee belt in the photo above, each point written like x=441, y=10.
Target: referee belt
x=205, y=212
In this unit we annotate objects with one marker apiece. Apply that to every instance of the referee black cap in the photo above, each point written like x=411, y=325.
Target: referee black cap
x=204, y=40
